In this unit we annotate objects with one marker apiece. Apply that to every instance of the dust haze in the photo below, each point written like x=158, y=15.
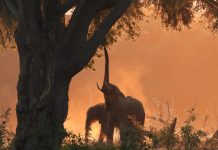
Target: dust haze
x=161, y=66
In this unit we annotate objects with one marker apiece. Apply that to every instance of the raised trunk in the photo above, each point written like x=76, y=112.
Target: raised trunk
x=106, y=71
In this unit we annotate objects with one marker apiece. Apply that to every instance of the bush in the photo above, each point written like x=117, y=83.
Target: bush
x=164, y=138
x=6, y=136
x=136, y=138
x=77, y=142
x=191, y=139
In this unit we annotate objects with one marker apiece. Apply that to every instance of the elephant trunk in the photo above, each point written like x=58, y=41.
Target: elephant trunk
x=106, y=77
x=106, y=71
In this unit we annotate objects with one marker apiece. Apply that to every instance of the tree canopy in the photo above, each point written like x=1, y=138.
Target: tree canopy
x=174, y=14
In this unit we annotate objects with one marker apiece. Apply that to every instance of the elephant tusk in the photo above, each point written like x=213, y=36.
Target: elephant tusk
x=99, y=88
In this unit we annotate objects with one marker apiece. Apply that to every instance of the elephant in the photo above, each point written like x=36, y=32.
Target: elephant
x=97, y=113
x=120, y=107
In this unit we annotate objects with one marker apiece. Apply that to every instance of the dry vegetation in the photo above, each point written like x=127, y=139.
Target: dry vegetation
x=6, y=135
x=168, y=137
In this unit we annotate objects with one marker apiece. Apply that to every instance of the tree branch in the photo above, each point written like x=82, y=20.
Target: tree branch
x=109, y=4
x=11, y=7
x=211, y=3
x=28, y=25
x=67, y=6
x=82, y=17
x=156, y=118
x=98, y=37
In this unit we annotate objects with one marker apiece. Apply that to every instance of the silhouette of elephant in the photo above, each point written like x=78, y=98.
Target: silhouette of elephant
x=120, y=108
x=97, y=113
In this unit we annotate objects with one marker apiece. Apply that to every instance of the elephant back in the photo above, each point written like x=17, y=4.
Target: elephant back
x=97, y=112
x=136, y=109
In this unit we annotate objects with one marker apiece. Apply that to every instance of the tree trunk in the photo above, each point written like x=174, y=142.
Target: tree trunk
x=42, y=99
x=50, y=55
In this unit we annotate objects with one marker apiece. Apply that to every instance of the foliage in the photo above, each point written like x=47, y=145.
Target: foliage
x=191, y=139
x=138, y=138
x=164, y=138
x=174, y=13
x=6, y=136
x=134, y=138
x=127, y=25
x=209, y=11
x=7, y=25
x=211, y=143
x=73, y=141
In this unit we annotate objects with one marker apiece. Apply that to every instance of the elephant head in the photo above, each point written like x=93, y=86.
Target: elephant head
x=112, y=93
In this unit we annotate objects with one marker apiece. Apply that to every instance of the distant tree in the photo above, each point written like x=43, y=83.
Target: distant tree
x=52, y=51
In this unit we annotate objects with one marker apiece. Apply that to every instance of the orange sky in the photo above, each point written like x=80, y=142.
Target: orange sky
x=181, y=67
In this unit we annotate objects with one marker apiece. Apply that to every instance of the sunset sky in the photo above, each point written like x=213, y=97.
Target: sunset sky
x=160, y=66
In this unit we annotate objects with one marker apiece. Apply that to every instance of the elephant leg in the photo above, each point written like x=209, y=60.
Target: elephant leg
x=110, y=130
x=122, y=129
x=124, y=126
x=110, y=134
x=102, y=135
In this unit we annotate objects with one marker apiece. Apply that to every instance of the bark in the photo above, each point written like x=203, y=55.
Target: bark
x=12, y=7
x=50, y=55
x=42, y=100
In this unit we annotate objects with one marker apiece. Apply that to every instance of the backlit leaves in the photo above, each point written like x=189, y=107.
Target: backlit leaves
x=174, y=13
x=7, y=25
x=126, y=26
x=209, y=10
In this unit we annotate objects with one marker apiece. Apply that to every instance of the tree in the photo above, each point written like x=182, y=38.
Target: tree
x=52, y=51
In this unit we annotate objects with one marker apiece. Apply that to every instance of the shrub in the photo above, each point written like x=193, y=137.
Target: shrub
x=164, y=138
x=6, y=136
x=191, y=139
